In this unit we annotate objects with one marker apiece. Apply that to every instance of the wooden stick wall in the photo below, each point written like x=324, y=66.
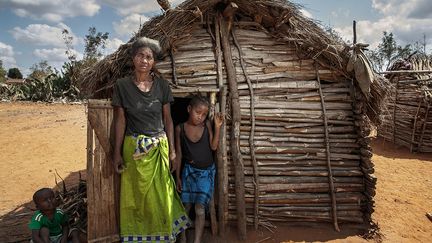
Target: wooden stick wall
x=408, y=114
x=289, y=134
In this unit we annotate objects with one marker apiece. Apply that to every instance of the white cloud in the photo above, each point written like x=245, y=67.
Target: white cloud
x=126, y=7
x=43, y=35
x=406, y=19
x=55, y=57
x=112, y=45
x=306, y=13
x=129, y=25
x=51, y=10
x=340, y=12
x=7, y=56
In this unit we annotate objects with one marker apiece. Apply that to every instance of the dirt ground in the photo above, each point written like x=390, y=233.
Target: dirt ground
x=39, y=140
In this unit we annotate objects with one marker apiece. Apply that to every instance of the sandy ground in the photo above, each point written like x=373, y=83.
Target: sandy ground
x=39, y=139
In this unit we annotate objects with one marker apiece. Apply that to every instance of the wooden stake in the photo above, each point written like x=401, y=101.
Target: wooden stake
x=252, y=131
x=222, y=169
x=354, y=32
x=424, y=126
x=218, y=52
x=173, y=66
x=235, y=130
x=330, y=176
x=394, y=110
x=414, y=126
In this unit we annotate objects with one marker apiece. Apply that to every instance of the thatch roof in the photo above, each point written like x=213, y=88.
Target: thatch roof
x=415, y=62
x=282, y=19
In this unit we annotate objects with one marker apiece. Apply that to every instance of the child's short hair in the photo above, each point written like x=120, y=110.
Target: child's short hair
x=198, y=99
x=37, y=194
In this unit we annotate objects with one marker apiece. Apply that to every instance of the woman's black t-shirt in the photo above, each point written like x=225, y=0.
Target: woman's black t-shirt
x=143, y=109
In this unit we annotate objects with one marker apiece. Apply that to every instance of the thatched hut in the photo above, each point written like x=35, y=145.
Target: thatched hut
x=408, y=114
x=295, y=144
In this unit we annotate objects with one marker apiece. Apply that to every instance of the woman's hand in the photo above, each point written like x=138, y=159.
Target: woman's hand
x=218, y=119
x=172, y=155
x=178, y=185
x=173, y=160
x=118, y=163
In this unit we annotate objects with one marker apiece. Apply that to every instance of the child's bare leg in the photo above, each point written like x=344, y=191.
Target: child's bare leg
x=199, y=222
x=188, y=207
x=44, y=234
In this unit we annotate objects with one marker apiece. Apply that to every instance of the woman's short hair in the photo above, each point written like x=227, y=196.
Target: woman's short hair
x=142, y=42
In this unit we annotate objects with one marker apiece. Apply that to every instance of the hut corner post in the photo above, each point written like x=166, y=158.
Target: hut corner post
x=235, y=128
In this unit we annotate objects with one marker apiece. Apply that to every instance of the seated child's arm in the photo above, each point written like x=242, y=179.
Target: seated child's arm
x=36, y=237
x=178, y=158
x=65, y=233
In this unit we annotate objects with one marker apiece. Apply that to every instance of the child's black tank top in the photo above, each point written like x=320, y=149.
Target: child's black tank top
x=198, y=154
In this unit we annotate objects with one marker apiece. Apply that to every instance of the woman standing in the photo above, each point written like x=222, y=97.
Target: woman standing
x=150, y=208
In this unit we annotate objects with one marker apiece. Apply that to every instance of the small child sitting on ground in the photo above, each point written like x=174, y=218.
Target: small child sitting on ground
x=195, y=143
x=49, y=224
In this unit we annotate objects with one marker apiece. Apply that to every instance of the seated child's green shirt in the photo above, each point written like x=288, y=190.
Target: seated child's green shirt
x=54, y=226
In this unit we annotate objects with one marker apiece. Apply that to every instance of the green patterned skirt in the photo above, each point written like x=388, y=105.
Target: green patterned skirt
x=150, y=208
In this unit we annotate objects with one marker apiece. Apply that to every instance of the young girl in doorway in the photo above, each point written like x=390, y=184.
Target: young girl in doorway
x=195, y=143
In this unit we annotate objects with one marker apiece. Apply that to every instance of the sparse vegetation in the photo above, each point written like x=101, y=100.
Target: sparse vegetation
x=47, y=84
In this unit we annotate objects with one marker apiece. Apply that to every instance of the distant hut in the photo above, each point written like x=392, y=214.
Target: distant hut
x=408, y=114
x=16, y=81
x=295, y=145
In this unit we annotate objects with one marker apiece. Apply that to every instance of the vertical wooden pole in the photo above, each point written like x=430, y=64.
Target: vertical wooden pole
x=327, y=144
x=173, y=66
x=213, y=220
x=415, y=126
x=235, y=129
x=222, y=167
x=218, y=51
x=252, y=132
x=423, y=128
x=394, y=110
x=354, y=32
x=212, y=105
x=90, y=191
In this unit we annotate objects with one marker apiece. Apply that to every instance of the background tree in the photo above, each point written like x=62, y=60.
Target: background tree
x=387, y=52
x=2, y=72
x=40, y=70
x=14, y=73
x=93, y=41
x=68, y=39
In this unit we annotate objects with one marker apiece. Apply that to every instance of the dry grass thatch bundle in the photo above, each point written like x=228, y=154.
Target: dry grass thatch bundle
x=281, y=18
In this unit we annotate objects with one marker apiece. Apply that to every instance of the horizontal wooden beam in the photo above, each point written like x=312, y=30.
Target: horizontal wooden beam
x=406, y=71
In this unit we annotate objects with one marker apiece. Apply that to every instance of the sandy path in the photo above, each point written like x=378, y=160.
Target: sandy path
x=37, y=139
x=404, y=193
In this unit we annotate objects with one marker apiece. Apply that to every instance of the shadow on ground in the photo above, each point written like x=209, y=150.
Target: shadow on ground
x=388, y=149
x=13, y=227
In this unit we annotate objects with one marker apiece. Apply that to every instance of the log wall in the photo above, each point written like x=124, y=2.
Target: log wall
x=408, y=115
x=289, y=139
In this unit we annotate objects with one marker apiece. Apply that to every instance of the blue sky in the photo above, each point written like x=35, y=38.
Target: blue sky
x=31, y=29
